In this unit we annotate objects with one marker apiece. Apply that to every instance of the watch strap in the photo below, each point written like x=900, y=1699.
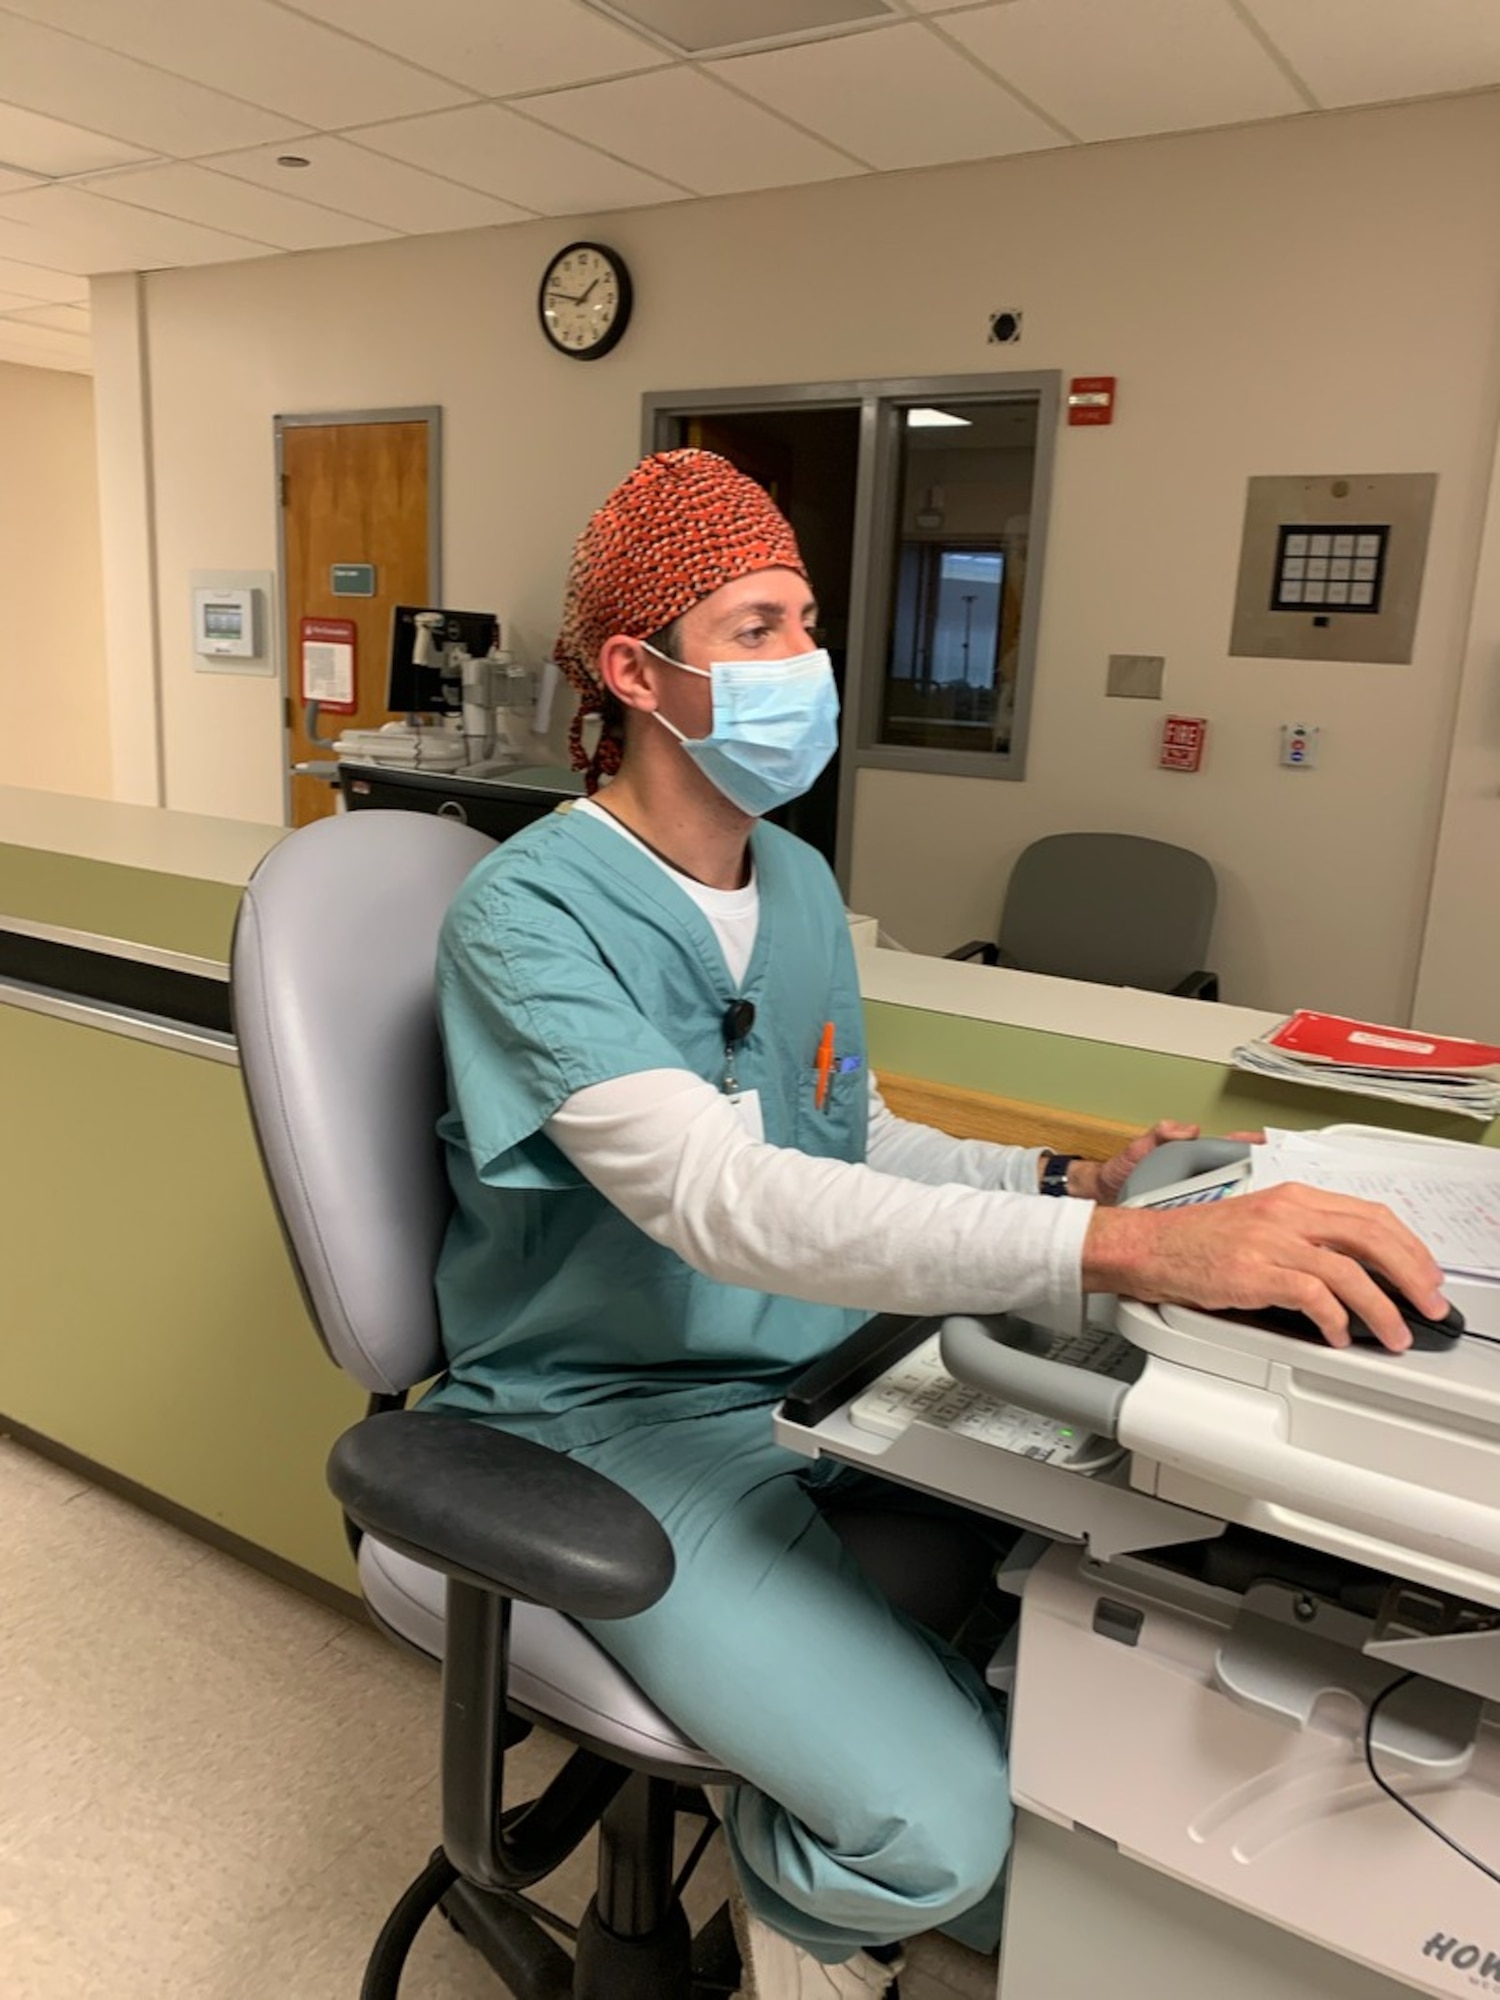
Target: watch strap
x=1054, y=1175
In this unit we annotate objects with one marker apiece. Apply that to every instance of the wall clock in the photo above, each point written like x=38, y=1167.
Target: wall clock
x=585, y=300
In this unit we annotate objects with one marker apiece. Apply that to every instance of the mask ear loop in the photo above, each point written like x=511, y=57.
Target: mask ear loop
x=703, y=673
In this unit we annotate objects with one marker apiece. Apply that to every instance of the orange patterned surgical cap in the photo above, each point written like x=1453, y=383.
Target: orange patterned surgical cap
x=681, y=525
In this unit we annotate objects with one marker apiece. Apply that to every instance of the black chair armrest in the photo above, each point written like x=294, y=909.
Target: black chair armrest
x=1198, y=986
x=501, y=1512
x=980, y=948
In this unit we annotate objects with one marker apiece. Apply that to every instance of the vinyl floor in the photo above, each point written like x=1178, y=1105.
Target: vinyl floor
x=213, y=1788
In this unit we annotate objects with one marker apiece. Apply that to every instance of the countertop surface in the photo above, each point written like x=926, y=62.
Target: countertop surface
x=227, y=851
x=165, y=843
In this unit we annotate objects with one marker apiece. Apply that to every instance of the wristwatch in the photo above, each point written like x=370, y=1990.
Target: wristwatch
x=1055, y=1170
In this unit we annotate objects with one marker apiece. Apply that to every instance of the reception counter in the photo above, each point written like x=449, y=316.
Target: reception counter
x=152, y=1325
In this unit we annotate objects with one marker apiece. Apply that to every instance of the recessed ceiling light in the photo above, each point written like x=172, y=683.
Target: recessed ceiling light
x=695, y=30
x=931, y=420
x=292, y=160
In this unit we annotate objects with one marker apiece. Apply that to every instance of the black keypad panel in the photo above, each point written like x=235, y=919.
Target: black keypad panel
x=1330, y=569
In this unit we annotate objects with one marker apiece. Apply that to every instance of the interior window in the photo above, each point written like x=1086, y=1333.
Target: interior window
x=958, y=572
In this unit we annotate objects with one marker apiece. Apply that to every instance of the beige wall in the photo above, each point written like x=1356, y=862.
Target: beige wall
x=1319, y=295
x=52, y=682
x=1459, y=976
x=128, y=521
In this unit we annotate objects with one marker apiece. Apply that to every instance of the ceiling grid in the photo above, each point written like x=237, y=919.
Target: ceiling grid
x=137, y=137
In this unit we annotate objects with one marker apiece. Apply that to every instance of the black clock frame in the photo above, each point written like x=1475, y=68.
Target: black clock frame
x=616, y=333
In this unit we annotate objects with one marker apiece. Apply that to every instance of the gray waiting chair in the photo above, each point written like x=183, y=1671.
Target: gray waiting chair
x=1113, y=908
x=474, y=1547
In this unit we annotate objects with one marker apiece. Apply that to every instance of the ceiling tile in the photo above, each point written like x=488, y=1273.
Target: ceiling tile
x=24, y=241
x=14, y=301
x=97, y=235
x=73, y=80
x=497, y=47
x=38, y=347
x=381, y=190
x=690, y=129
x=273, y=58
x=1152, y=65
x=495, y=150
x=35, y=283
x=194, y=194
x=48, y=146
x=896, y=97
x=62, y=319
x=10, y=180
x=1366, y=51
x=699, y=31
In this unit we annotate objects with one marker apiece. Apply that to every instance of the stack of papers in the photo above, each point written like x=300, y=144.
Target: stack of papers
x=1435, y=1071
x=1444, y=1190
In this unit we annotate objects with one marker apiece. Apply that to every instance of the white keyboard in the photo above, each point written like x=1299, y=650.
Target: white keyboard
x=919, y=1386
x=1211, y=1186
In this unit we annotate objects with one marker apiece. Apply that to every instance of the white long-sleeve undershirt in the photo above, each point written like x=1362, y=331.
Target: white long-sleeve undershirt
x=928, y=1225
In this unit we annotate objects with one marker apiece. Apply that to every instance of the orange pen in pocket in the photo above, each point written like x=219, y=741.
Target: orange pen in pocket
x=825, y=1065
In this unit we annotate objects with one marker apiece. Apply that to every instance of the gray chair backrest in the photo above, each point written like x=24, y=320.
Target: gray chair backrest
x=1109, y=907
x=331, y=988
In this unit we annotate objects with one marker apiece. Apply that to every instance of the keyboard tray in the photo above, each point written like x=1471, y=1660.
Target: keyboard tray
x=1099, y=1509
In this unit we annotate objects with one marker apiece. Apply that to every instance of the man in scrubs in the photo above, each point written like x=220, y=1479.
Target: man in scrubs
x=676, y=1185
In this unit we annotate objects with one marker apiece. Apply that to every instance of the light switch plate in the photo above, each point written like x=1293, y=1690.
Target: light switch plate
x=1137, y=676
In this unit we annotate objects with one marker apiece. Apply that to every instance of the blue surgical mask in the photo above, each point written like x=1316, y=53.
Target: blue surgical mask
x=776, y=724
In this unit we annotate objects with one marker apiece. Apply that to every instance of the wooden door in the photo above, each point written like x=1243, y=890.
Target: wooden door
x=350, y=493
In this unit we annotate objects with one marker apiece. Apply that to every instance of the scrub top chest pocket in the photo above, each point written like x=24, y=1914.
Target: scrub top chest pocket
x=833, y=1094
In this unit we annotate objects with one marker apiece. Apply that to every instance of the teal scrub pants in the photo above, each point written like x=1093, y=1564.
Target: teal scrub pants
x=875, y=1802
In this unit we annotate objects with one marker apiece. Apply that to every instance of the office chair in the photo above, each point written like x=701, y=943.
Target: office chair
x=1108, y=907
x=474, y=1547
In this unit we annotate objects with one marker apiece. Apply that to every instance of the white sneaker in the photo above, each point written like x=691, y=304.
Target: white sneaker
x=773, y=1968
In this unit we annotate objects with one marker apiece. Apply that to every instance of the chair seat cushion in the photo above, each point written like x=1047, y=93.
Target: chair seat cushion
x=557, y=1672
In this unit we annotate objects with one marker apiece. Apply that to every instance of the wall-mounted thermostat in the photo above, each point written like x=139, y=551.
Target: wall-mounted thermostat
x=232, y=621
x=224, y=623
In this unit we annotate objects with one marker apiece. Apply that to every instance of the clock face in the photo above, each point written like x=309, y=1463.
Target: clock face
x=585, y=301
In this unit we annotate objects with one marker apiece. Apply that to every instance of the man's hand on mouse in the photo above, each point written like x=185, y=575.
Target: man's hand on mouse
x=1291, y=1246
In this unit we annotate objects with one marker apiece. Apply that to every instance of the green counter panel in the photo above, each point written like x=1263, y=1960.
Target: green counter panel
x=151, y=1321
x=1133, y=1085
x=172, y=912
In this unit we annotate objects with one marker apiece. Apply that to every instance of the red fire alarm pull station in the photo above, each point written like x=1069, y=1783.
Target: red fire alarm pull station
x=1182, y=738
x=1091, y=399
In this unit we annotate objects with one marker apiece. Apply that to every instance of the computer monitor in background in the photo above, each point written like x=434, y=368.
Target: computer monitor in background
x=423, y=678
x=498, y=807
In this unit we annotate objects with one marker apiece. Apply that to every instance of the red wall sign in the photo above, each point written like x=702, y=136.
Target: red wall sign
x=329, y=650
x=1182, y=738
x=1091, y=399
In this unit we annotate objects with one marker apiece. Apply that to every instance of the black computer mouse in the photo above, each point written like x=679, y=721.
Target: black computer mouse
x=1428, y=1336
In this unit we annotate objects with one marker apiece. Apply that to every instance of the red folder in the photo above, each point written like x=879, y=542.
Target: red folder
x=1330, y=1038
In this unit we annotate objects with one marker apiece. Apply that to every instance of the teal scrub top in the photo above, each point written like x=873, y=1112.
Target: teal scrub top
x=569, y=958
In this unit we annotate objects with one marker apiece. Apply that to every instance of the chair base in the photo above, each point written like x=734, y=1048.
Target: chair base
x=667, y=1965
